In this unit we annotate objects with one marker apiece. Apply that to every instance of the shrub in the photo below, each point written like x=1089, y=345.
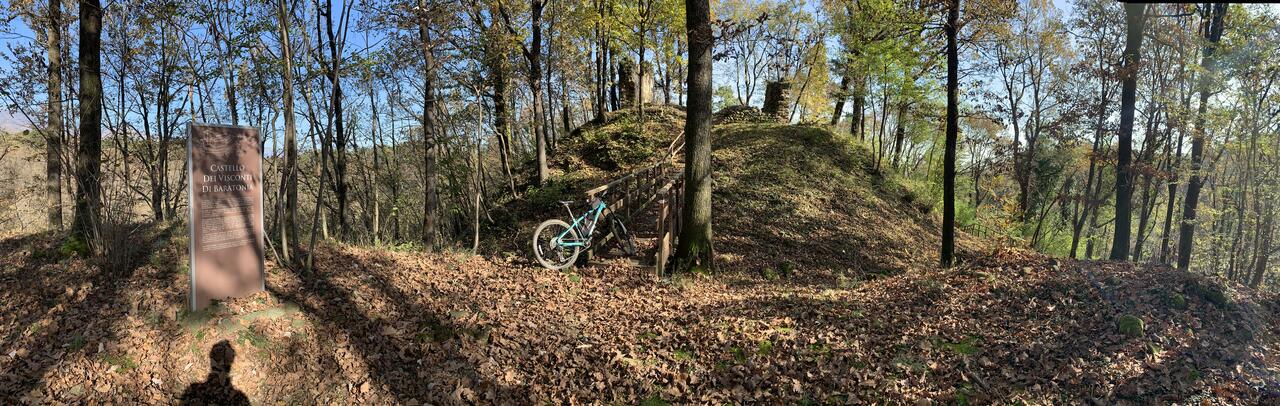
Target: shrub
x=788, y=268
x=547, y=196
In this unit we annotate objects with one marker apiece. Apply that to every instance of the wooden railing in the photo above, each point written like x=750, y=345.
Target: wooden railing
x=630, y=194
x=669, y=221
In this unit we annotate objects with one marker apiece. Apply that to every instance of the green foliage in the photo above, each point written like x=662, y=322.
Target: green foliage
x=966, y=215
x=654, y=400
x=405, y=246
x=549, y=194
x=248, y=336
x=967, y=346
x=683, y=354
x=921, y=194
x=122, y=362
x=723, y=97
x=74, y=247
x=76, y=342
x=963, y=393
x=764, y=347
x=787, y=268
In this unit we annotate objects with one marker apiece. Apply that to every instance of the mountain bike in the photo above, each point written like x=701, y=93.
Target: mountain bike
x=556, y=243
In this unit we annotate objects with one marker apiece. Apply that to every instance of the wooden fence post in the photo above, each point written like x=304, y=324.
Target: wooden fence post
x=626, y=189
x=663, y=239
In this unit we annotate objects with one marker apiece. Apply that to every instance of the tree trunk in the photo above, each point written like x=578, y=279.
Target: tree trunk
x=615, y=102
x=899, y=134
x=431, y=200
x=1264, y=248
x=87, y=222
x=1135, y=19
x=840, y=99
x=53, y=130
x=1186, y=232
x=535, y=86
x=599, y=94
x=857, y=124
x=1086, y=198
x=339, y=149
x=375, y=132
x=289, y=175
x=949, y=160
x=496, y=58
x=1170, y=200
x=694, y=251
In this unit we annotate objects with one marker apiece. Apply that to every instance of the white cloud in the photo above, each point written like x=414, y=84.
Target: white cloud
x=10, y=123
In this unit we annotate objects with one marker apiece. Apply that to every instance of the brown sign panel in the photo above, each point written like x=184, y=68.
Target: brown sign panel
x=225, y=168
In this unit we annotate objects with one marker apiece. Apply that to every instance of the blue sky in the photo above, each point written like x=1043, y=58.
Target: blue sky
x=19, y=33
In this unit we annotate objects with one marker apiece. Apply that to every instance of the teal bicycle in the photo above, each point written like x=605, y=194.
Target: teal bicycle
x=556, y=243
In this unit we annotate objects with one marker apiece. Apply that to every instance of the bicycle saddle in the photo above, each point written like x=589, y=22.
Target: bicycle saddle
x=566, y=202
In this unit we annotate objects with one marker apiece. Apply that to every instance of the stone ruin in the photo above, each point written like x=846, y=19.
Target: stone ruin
x=776, y=94
x=635, y=87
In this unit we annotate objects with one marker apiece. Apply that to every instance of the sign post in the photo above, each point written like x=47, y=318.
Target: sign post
x=224, y=164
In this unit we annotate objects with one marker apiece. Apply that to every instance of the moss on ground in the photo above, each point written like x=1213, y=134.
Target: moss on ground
x=1130, y=325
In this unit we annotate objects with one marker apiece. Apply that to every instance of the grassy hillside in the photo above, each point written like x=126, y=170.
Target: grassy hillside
x=788, y=196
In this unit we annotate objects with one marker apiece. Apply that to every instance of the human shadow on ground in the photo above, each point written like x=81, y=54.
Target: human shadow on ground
x=216, y=389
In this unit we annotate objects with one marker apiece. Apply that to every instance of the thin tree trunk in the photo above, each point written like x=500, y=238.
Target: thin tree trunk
x=1086, y=199
x=1170, y=200
x=289, y=231
x=377, y=145
x=899, y=134
x=1264, y=248
x=857, y=123
x=339, y=150
x=1186, y=232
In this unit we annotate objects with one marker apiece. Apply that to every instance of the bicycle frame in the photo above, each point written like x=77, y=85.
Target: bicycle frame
x=585, y=238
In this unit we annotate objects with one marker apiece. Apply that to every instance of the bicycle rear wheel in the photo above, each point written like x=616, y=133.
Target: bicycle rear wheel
x=548, y=248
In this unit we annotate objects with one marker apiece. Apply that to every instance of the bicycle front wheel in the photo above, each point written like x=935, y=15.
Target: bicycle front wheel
x=549, y=248
x=625, y=240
